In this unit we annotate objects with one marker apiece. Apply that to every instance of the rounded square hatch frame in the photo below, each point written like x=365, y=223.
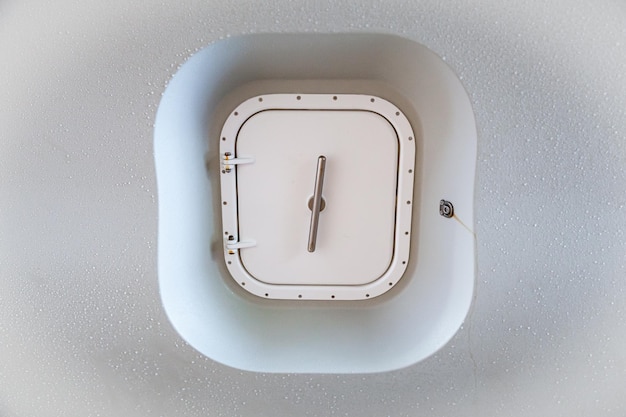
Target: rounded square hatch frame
x=233, y=327
x=279, y=151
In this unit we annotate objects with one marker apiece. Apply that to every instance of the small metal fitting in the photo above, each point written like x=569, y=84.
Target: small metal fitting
x=446, y=209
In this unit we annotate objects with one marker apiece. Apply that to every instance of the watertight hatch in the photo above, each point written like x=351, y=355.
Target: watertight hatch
x=314, y=206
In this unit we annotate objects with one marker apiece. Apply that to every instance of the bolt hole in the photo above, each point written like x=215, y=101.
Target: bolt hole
x=224, y=203
x=397, y=113
x=334, y=97
x=332, y=296
x=298, y=98
x=223, y=138
x=367, y=295
x=372, y=100
x=406, y=233
x=390, y=284
x=403, y=262
x=229, y=262
x=299, y=295
x=408, y=202
x=410, y=171
x=410, y=137
x=260, y=98
x=267, y=295
x=236, y=113
x=223, y=172
x=243, y=284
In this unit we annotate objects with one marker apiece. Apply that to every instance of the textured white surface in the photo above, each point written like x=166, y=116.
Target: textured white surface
x=82, y=331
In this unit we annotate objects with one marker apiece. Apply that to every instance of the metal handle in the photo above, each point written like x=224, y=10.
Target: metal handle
x=317, y=202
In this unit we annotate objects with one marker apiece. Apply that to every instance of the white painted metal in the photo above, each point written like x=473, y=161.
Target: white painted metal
x=363, y=240
x=82, y=328
x=214, y=313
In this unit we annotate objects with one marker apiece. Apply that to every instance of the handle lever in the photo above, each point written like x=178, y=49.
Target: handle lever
x=317, y=202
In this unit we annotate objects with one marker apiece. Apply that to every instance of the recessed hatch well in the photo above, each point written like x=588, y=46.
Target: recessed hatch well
x=276, y=245
x=315, y=202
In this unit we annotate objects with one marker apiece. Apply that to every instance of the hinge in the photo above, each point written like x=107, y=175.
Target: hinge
x=232, y=246
x=228, y=162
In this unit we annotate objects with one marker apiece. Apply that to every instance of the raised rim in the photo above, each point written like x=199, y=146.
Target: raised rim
x=404, y=192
